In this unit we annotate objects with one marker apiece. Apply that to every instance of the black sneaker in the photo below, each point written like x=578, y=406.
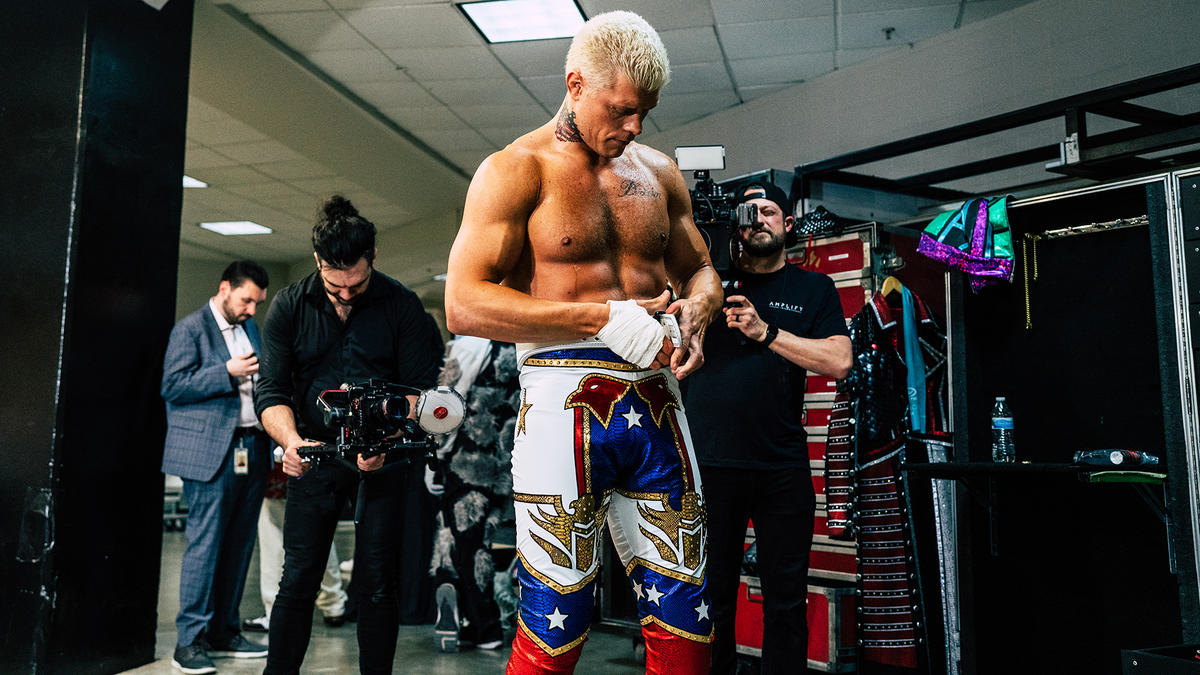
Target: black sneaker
x=239, y=648
x=192, y=660
x=445, y=631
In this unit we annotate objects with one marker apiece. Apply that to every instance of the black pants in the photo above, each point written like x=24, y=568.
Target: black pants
x=314, y=504
x=782, y=505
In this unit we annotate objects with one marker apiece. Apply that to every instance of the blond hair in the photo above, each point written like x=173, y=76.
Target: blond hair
x=620, y=41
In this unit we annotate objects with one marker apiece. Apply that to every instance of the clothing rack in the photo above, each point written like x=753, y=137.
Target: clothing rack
x=1031, y=261
x=1090, y=228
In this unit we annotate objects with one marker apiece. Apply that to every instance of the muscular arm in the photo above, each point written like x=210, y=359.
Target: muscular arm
x=691, y=274
x=829, y=356
x=489, y=243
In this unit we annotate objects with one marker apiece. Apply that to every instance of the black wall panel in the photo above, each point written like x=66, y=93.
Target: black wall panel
x=94, y=116
x=1080, y=571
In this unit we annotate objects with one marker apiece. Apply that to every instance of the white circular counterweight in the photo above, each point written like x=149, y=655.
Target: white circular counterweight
x=440, y=410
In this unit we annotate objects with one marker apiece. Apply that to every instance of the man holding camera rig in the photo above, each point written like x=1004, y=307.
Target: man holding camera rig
x=344, y=323
x=569, y=237
x=780, y=321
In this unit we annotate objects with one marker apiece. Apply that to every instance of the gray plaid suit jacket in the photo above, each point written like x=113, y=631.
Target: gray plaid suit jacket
x=203, y=406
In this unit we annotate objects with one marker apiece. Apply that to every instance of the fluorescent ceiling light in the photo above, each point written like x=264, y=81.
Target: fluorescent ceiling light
x=236, y=227
x=189, y=182
x=517, y=20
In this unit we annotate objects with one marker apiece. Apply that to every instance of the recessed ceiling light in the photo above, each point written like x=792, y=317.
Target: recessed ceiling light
x=230, y=227
x=189, y=182
x=517, y=20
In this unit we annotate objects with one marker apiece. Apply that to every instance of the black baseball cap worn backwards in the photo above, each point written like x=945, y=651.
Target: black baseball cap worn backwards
x=768, y=191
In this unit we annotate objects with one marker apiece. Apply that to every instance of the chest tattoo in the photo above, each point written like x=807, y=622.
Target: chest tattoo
x=566, y=130
x=633, y=188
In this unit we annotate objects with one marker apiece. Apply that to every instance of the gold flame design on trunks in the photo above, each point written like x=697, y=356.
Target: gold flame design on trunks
x=683, y=529
x=576, y=531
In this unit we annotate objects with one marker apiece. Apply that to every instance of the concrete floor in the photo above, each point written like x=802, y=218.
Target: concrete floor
x=335, y=650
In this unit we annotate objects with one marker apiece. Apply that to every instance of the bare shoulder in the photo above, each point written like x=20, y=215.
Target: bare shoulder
x=514, y=162
x=662, y=166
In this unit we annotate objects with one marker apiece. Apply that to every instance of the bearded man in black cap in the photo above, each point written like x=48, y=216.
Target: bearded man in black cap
x=780, y=321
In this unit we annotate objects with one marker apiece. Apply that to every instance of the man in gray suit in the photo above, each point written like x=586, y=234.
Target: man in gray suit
x=216, y=445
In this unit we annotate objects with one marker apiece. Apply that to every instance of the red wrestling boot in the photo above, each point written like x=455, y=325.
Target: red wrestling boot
x=669, y=654
x=528, y=659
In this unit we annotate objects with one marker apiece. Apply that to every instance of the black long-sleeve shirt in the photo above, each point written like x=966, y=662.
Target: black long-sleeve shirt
x=308, y=349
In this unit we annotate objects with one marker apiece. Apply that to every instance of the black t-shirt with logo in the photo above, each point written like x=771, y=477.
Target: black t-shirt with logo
x=745, y=405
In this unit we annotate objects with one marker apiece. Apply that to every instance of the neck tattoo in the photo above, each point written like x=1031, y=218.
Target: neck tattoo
x=566, y=130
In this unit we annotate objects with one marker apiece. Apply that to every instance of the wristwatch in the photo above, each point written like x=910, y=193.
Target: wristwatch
x=772, y=333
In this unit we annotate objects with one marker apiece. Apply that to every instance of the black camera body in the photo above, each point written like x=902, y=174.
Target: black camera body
x=372, y=418
x=718, y=215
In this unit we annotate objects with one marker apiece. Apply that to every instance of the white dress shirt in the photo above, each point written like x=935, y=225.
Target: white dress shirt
x=238, y=343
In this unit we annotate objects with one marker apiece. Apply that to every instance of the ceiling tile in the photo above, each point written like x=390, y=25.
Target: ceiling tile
x=746, y=11
x=448, y=63
x=781, y=69
x=662, y=14
x=772, y=38
x=323, y=187
x=453, y=141
x=499, y=91
x=694, y=105
x=365, y=4
x=691, y=45
x=296, y=168
x=861, y=31
x=503, y=115
x=202, y=157
x=387, y=217
x=274, y=191
x=468, y=160
x=526, y=59
x=751, y=93
x=394, y=94
x=667, y=123
x=224, y=130
x=199, y=111
x=264, y=151
x=549, y=89
x=864, y=6
x=502, y=136
x=427, y=25
x=694, y=77
x=434, y=118
x=192, y=251
x=357, y=65
x=253, y=6
x=849, y=57
x=311, y=31
x=219, y=176
x=983, y=9
x=298, y=204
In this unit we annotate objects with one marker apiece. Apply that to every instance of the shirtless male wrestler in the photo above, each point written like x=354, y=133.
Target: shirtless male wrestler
x=569, y=238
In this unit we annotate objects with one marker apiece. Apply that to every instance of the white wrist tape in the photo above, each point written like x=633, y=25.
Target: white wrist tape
x=632, y=333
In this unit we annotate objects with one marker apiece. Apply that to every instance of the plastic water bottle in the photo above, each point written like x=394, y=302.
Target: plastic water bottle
x=1002, y=432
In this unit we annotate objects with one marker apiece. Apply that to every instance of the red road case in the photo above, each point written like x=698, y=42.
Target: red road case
x=831, y=622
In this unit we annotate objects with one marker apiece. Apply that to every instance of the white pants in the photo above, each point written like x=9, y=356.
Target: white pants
x=332, y=598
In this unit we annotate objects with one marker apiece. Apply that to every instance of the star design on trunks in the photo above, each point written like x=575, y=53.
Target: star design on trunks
x=633, y=418
x=701, y=611
x=653, y=594
x=557, y=619
x=637, y=590
x=521, y=416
